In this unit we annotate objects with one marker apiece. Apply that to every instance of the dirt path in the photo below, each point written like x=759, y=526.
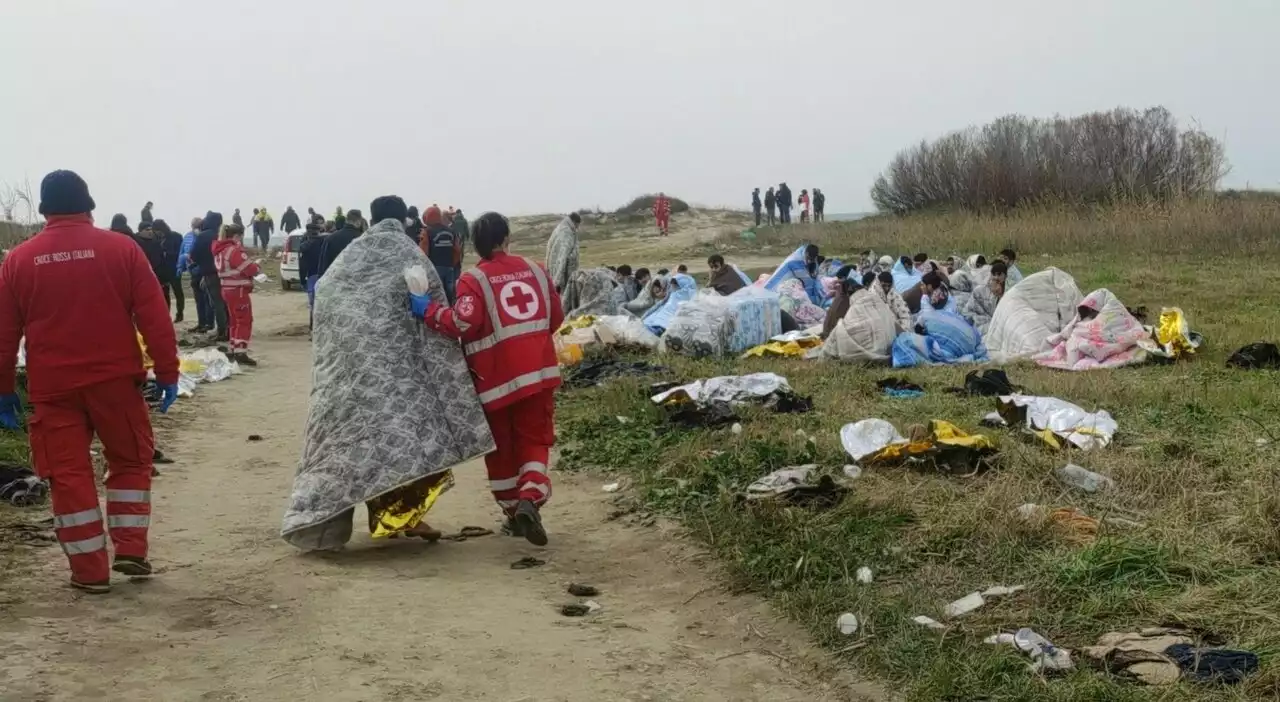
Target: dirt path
x=239, y=615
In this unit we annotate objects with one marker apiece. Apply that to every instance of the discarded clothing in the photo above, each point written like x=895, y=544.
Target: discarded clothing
x=1029, y=314
x=21, y=487
x=900, y=388
x=707, y=416
x=943, y=446
x=726, y=388
x=1213, y=665
x=1139, y=655
x=803, y=486
x=866, y=332
x=1259, y=355
x=1056, y=421
x=1102, y=335
x=796, y=347
x=594, y=372
x=1045, y=657
x=948, y=338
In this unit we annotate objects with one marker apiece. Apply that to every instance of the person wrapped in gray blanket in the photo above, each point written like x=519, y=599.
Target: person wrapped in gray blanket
x=981, y=305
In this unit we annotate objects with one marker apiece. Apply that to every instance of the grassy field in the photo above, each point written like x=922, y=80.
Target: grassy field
x=1195, y=466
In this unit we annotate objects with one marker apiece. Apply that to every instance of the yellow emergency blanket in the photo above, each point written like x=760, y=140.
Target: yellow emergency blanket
x=405, y=508
x=795, y=348
x=943, y=445
x=146, y=359
x=569, y=325
x=1173, y=333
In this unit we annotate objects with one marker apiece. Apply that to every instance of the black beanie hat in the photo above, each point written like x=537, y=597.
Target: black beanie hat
x=388, y=207
x=64, y=193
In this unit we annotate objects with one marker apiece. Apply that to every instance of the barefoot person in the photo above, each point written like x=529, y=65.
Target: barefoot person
x=393, y=408
x=506, y=312
x=76, y=293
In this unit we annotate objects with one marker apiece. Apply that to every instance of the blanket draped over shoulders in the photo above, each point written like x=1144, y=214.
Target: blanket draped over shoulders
x=392, y=403
x=562, y=261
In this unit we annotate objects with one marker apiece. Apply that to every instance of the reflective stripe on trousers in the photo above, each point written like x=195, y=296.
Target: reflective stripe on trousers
x=518, y=383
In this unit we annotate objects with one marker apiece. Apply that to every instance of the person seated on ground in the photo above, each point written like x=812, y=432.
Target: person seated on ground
x=840, y=303
x=869, y=279
x=969, y=275
x=929, y=286
x=627, y=281
x=866, y=331
x=725, y=279
x=921, y=263
x=884, y=265
x=664, y=271
x=682, y=269
x=812, y=257
x=1014, y=276
x=936, y=294
x=985, y=298
x=597, y=292
x=901, y=313
x=642, y=279
x=653, y=293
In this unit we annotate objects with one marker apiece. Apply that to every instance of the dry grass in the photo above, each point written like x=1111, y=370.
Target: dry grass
x=1203, y=546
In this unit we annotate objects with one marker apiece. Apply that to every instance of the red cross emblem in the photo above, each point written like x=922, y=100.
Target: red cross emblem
x=519, y=300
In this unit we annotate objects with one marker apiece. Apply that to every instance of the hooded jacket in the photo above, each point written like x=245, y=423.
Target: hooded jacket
x=289, y=221
x=334, y=244
x=202, y=250
x=153, y=249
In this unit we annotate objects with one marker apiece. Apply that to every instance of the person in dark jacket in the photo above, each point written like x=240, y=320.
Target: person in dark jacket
x=204, y=313
x=439, y=244
x=237, y=219
x=819, y=206
x=337, y=241
x=462, y=231
x=784, y=204
x=413, y=227
x=120, y=225
x=171, y=245
x=309, y=250
x=756, y=205
x=770, y=202
x=146, y=217
x=289, y=221
x=202, y=257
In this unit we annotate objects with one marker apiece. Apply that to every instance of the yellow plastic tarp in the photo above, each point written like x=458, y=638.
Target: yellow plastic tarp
x=1173, y=332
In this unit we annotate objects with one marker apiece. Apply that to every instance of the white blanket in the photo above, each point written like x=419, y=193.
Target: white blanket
x=1030, y=313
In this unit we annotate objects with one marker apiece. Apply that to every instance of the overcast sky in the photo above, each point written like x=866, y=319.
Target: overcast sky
x=531, y=106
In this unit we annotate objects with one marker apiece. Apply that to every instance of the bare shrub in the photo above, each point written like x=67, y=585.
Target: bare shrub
x=1102, y=157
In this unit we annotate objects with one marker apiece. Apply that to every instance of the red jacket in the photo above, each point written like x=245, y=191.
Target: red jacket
x=235, y=268
x=505, y=314
x=78, y=293
x=662, y=208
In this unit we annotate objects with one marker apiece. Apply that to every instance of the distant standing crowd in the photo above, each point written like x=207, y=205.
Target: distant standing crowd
x=812, y=207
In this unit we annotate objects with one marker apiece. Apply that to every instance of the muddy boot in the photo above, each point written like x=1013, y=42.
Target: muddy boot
x=98, y=588
x=243, y=358
x=530, y=523
x=132, y=566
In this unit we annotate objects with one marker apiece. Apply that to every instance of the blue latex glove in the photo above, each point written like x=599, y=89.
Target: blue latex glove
x=10, y=408
x=419, y=304
x=170, y=396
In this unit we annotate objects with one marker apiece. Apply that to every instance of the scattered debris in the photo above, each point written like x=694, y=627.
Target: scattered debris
x=1082, y=479
x=964, y=605
x=864, y=575
x=1258, y=355
x=527, y=562
x=691, y=416
x=623, y=420
x=900, y=388
x=929, y=623
x=467, y=532
x=255, y=437
x=736, y=428
x=1138, y=655
x=1076, y=526
x=579, y=590
x=853, y=471
x=1057, y=421
x=942, y=446
x=612, y=487
x=804, y=486
x=593, y=372
x=1213, y=665
x=847, y=624
x=1002, y=590
x=20, y=486
x=1045, y=657
x=991, y=382
x=575, y=610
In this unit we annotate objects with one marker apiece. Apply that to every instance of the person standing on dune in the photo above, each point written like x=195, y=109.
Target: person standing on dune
x=662, y=213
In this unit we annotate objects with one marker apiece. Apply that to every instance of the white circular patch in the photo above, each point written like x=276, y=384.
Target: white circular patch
x=466, y=305
x=519, y=300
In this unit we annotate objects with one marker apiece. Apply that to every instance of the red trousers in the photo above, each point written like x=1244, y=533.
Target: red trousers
x=524, y=434
x=60, y=432
x=664, y=222
x=239, y=303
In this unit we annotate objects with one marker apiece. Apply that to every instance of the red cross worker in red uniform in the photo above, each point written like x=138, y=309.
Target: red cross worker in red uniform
x=77, y=293
x=662, y=213
x=505, y=314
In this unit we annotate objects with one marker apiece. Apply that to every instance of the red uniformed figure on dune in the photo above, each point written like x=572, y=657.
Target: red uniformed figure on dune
x=662, y=213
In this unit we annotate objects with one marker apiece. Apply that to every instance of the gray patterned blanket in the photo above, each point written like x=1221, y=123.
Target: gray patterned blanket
x=391, y=401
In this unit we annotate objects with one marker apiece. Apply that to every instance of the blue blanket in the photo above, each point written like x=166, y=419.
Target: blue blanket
x=948, y=338
x=793, y=267
x=904, y=279
x=681, y=289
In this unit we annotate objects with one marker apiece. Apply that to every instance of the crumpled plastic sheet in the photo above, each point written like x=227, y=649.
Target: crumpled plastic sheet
x=725, y=388
x=800, y=486
x=629, y=330
x=207, y=365
x=868, y=437
x=1084, y=430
